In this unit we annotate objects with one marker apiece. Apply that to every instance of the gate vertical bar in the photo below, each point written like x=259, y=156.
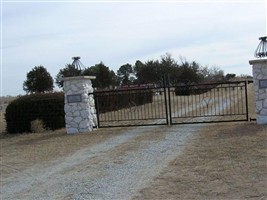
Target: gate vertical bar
x=169, y=97
x=246, y=93
x=165, y=100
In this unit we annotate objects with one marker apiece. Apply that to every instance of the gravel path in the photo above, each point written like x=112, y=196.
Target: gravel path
x=115, y=169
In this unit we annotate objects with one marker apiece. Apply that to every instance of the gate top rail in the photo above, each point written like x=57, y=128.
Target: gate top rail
x=212, y=83
x=126, y=90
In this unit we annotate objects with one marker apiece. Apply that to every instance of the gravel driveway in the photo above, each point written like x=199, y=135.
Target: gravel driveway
x=114, y=169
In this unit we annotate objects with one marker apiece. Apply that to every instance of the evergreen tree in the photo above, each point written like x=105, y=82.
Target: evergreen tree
x=38, y=81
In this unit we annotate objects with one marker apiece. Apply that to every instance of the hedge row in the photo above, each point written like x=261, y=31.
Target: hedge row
x=46, y=107
x=192, y=90
x=116, y=100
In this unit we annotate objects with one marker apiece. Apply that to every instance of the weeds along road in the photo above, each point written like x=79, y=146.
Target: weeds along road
x=113, y=169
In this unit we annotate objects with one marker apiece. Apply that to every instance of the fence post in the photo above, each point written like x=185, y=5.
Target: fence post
x=169, y=99
x=80, y=113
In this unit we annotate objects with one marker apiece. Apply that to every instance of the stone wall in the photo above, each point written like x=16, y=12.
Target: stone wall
x=260, y=88
x=80, y=113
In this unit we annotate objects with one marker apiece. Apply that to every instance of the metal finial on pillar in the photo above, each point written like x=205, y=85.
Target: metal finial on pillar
x=261, y=50
x=77, y=63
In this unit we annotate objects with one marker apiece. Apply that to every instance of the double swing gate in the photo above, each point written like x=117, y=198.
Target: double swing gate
x=172, y=104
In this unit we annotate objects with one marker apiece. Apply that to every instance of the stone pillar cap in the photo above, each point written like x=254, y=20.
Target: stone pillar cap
x=251, y=62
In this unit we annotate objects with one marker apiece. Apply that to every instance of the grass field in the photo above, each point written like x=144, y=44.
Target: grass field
x=223, y=162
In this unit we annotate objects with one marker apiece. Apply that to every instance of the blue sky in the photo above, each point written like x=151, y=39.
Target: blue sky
x=50, y=33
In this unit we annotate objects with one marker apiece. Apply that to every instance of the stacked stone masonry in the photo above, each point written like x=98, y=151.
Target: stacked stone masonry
x=79, y=116
x=260, y=74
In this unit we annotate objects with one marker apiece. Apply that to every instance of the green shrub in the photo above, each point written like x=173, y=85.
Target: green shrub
x=46, y=107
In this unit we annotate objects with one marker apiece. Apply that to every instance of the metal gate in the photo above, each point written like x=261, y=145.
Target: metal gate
x=172, y=104
x=139, y=106
x=207, y=103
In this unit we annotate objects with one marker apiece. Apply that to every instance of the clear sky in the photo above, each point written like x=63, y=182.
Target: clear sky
x=50, y=33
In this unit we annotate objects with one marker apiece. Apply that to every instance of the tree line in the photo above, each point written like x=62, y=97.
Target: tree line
x=39, y=79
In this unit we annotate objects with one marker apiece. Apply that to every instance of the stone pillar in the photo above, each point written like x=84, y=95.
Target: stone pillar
x=260, y=86
x=80, y=113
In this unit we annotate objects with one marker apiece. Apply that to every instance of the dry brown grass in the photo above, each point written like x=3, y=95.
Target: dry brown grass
x=2, y=122
x=19, y=152
x=223, y=162
x=37, y=126
x=4, y=101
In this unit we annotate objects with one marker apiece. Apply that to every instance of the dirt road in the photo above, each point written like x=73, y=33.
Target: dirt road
x=116, y=168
